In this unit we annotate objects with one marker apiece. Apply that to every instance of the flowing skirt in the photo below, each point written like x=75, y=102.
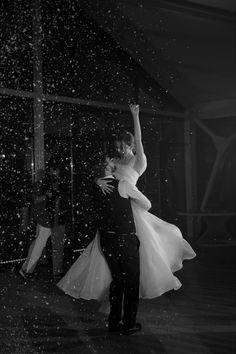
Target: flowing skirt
x=162, y=251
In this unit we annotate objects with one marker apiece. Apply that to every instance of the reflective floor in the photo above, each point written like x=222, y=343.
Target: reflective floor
x=36, y=317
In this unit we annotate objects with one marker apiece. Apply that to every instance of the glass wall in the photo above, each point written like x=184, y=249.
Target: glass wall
x=87, y=82
x=80, y=60
x=16, y=164
x=216, y=180
x=16, y=45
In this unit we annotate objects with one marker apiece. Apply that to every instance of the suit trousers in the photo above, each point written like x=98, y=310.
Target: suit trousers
x=57, y=234
x=122, y=255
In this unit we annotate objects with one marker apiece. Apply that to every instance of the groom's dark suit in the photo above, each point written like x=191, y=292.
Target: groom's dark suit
x=120, y=246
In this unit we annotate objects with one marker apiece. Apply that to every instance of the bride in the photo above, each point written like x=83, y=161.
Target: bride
x=162, y=247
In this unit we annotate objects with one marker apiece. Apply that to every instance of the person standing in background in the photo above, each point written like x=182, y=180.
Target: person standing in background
x=50, y=214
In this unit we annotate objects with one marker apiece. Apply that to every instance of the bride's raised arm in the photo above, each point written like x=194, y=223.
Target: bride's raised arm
x=141, y=160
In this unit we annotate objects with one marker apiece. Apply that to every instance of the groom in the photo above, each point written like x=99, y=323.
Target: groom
x=120, y=247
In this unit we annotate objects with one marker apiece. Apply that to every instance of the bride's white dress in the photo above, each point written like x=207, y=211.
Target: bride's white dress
x=162, y=251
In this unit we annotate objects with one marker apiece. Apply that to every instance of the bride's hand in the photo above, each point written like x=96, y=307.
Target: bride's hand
x=105, y=186
x=134, y=108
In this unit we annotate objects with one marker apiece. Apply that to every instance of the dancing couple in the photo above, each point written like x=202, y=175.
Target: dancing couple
x=134, y=253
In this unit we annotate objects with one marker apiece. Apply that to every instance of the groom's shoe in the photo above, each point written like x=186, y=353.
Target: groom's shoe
x=127, y=331
x=115, y=328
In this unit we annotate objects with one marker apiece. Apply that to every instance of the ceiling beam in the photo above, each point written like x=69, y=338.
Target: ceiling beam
x=217, y=109
x=195, y=9
x=89, y=103
x=110, y=17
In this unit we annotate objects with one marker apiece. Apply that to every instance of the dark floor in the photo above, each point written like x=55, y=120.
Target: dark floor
x=197, y=319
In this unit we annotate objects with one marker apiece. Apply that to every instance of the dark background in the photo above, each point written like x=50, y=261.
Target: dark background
x=82, y=58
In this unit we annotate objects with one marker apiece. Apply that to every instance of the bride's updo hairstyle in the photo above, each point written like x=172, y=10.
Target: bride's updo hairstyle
x=127, y=138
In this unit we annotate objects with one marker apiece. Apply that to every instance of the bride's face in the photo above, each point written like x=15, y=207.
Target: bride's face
x=123, y=149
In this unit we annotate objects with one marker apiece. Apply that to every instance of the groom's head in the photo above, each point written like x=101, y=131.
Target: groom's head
x=106, y=167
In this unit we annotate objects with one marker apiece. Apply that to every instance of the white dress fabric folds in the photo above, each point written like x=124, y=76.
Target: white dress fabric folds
x=162, y=251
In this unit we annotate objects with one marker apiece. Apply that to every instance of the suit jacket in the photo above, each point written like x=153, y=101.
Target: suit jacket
x=114, y=213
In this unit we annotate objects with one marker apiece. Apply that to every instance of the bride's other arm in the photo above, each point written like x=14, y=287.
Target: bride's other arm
x=104, y=185
x=141, y=160
x=106, y=169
